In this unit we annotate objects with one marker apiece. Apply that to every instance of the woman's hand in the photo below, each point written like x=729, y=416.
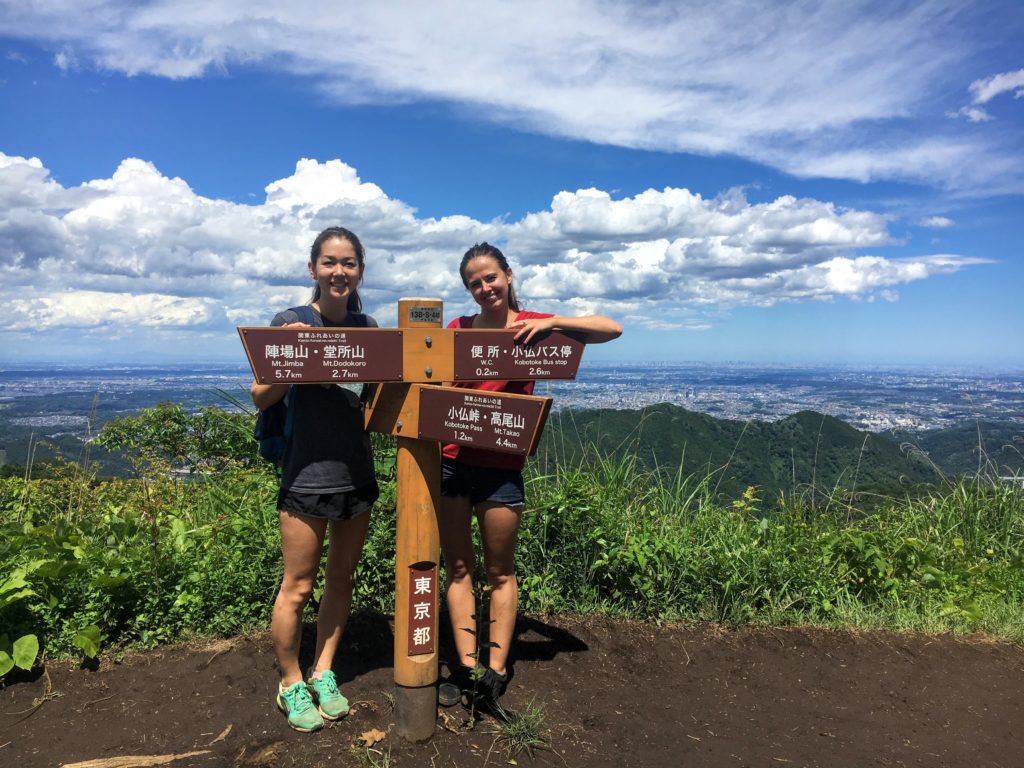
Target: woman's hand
x=530, y=328
x=596, y=329
x=265, y=395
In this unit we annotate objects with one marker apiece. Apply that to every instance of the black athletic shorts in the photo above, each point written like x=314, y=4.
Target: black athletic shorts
x=329, y=506
x=500, y=486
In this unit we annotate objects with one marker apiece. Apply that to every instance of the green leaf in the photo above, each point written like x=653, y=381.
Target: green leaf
x=929, y=580
x=87, y=640
x=15, y=581
x=972, y=610
x=6, y=663
x=7, y=598
x=26, y=648
x=106, y=581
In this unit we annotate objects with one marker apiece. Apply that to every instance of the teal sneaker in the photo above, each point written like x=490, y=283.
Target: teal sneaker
x=329, y=700
x=296, y=702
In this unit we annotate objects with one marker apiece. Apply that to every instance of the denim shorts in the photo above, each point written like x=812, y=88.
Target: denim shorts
x=500, y=486
x=329, y=506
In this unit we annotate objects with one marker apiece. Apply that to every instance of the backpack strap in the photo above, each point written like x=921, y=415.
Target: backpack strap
x=305, y=314
x=289, y=411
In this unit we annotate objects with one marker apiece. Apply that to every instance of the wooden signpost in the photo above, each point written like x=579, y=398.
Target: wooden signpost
x=409, y=363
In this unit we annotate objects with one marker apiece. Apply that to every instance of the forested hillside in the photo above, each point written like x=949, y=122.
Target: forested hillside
x=804, y=449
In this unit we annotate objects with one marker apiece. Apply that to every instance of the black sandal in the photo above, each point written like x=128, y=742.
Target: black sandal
x=449, y=692
x=493, y=685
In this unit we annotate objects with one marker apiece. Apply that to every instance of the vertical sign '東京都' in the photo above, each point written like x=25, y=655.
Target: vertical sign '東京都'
x=422, y=603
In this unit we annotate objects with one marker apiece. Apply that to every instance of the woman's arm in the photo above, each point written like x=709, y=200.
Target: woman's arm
x=265, y=395
x=597, y=329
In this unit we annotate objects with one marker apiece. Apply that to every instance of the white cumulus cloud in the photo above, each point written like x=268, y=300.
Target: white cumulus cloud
x=141, y=250
x=986, y=89
x=93, y=309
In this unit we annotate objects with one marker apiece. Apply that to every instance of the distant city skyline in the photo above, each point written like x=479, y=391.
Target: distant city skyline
x=874, y=400
x=836, y=184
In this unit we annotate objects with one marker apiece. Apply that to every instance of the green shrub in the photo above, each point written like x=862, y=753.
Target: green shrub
x=86, y=564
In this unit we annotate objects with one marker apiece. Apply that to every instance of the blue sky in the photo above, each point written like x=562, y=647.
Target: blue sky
x=838, y=182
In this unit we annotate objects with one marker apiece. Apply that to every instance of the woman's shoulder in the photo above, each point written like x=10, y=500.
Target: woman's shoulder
x=304, y=314
x=466, y=321
x=284, y=317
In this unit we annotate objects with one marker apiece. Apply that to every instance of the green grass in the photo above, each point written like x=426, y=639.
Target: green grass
x=615, y=539
x=88, y=564
x=521, y=730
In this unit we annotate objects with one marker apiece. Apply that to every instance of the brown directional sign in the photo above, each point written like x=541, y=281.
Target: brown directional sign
x=422, y=607
x=482, y=355
x=496, y=422
x=310, y=355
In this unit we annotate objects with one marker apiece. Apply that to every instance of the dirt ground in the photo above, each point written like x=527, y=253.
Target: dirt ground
x=614, y=694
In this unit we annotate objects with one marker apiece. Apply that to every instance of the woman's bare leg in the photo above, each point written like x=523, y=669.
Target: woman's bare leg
x=344, y=548
x=457, y=542
x=499, y=531
x=302, y=540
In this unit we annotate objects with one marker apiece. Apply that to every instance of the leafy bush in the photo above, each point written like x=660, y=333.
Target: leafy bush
x=614, y=538
x=167, y=437
x=85, y=563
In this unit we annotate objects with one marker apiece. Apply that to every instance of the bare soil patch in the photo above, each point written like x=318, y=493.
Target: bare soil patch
x=615, y=694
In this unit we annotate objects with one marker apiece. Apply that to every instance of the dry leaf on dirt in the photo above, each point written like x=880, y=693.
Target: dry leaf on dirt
x=134, y=761
x=371, y=737
x=266, y=754
x=223, y=734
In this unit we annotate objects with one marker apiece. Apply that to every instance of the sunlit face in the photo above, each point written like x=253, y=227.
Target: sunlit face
x=488, y=283
x=337, y=271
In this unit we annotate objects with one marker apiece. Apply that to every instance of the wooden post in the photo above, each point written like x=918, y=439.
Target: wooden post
x=417, y=561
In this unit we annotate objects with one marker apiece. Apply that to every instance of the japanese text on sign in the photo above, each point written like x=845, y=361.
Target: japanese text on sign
x=483, y=355
x=493, y=422
x=422, y=608
x=323, y=354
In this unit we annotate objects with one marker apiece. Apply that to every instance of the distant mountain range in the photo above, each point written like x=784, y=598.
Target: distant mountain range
x=797, y=451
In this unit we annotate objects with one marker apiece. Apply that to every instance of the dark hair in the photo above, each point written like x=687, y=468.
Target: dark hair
x=486, y=249
x=355, y=304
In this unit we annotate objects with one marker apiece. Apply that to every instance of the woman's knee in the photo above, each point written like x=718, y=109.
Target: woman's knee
x=342, y=579
x=296, y=590
x=459, y=570
x=501, y=575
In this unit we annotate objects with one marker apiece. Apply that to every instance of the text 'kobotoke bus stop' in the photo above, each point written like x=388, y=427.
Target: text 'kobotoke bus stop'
x=410, y=363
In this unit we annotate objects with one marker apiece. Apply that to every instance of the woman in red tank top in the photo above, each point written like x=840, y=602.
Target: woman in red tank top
x=489, y=485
